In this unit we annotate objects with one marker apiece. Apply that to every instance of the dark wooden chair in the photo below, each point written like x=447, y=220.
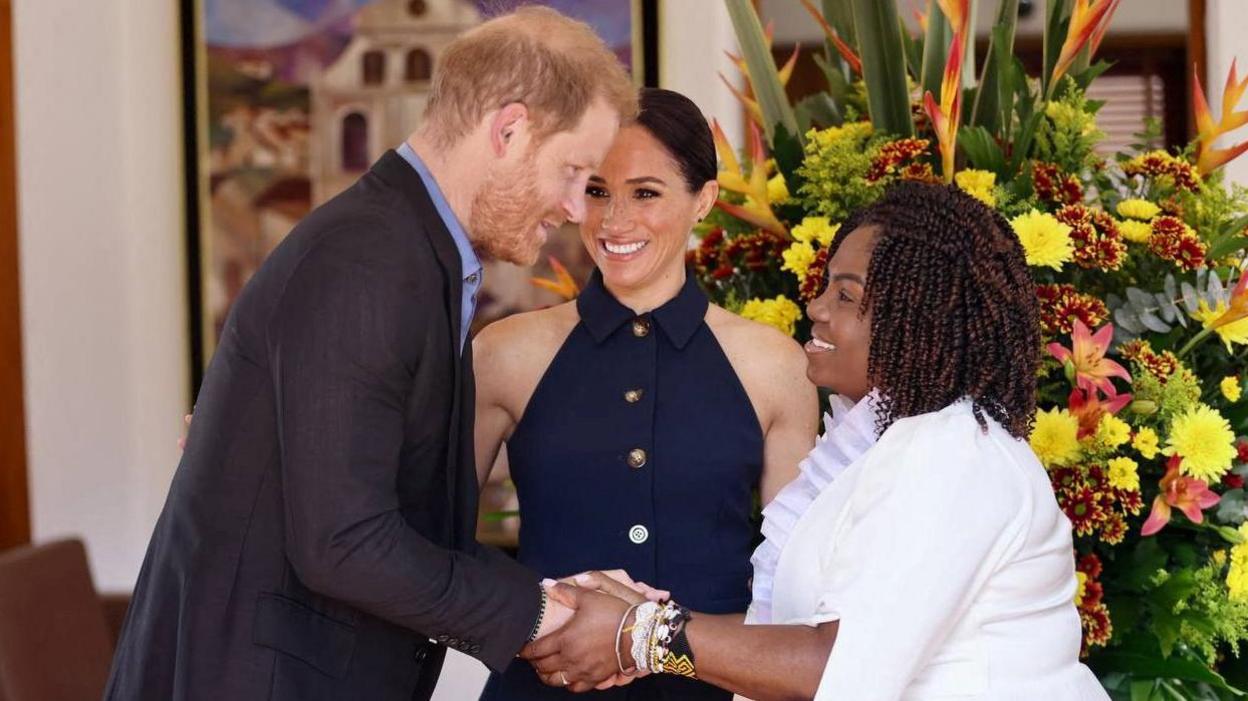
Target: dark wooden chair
x=56, y=633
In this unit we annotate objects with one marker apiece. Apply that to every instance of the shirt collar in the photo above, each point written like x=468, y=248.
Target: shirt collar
x=679, y=317
x=467, y=256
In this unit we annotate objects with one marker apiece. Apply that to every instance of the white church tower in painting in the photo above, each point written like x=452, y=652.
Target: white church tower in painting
x=373, y=96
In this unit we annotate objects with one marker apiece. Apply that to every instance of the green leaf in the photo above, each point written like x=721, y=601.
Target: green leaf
x=1023, y=137
x=914, y=51
x=995, y=87
x=1057, y=18
x=982, y=151
x=935, y=52
x=764, y=77
x=1085, y=77
x=1142, y=690
x=883, y=65
x=787, y=151
x=818, y=110
x=496, y=516
x=840, y=15
x=1145, y=666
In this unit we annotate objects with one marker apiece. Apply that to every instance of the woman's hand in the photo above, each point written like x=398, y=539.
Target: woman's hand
x=618, y=584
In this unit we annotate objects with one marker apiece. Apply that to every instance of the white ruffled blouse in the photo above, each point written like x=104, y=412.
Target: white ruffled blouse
x=941, y=551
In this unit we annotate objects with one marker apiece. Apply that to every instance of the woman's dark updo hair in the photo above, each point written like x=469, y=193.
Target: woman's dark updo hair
x=954, y=310
x=678, y=124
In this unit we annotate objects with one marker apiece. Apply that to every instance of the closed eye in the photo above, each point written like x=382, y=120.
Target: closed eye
x=843, y=297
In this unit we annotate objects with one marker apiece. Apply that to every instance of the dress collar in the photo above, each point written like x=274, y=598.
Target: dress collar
x=679, y=317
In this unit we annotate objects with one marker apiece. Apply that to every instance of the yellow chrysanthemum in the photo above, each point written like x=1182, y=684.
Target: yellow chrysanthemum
x=1230, y=388
x=777, y=189
x=1055, y=438
x=1082, y=589
x=1237, y=576
x=797, y=259
x=1046, y=241
x=1146, y=443
x=977, y=184
x=780, y=312
x=1205, y=441
x=1112, y=431
x=1234, y=332
x=1135, y=231
x=1143, y=210
x=1124, y=474
x=815, y=230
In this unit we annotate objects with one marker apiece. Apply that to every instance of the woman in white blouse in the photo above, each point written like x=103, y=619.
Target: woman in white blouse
x=921, y=553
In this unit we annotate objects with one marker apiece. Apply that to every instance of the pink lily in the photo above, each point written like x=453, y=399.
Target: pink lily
x=1088, y=408
x=1187, y=494
x=1209, y=158
x=1086, y=358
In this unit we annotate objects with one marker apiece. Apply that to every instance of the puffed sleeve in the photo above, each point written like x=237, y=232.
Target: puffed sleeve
x=939, y=508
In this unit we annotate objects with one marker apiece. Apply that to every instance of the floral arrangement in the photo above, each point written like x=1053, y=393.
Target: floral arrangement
x=1139, y=261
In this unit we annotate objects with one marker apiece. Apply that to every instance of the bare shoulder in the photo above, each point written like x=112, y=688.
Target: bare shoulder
x=511, y=354
x=754, y=343
x=770, y=365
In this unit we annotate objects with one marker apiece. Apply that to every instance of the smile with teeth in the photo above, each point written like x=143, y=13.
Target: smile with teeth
x=624, y=249
x=818, y=345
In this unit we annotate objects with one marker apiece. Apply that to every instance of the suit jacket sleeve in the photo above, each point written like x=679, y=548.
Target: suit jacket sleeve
x=342, y=342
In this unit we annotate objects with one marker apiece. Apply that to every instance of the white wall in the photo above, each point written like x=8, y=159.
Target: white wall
x=1224, y=33
x=101, y=259
x=692, y=39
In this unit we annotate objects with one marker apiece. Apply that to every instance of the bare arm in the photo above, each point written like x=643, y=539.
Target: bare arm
x=765, y=663
x=761, y=662
x=795, y=422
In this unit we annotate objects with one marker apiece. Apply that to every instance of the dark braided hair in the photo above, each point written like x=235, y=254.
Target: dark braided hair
x=954, y=309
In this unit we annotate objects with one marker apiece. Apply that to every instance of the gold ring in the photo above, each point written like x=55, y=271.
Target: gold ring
x=563, y=678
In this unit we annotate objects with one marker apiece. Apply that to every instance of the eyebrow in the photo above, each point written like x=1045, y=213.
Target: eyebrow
x=631, y=181
x=849, y=276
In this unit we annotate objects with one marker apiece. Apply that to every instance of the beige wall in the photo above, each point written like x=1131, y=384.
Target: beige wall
x=1225, y=23
x=101, y=256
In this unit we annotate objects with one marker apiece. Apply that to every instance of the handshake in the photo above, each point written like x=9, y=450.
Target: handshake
x=602, y=629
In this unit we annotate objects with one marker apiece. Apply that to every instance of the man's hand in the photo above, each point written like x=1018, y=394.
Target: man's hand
x=582, y=654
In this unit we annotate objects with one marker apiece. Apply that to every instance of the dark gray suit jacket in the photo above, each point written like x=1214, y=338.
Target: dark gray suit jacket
x=319, y=531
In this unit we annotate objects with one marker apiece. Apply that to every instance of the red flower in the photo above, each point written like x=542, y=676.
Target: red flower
x=812, y=284
x=1242, y=449
x=1232, y=481
x=1062, y=305
x=1052, y=185
x=1090, y=565
x=1098, y=243
x=1160, y=365
x=1160, y=163
x=1187, y=494
x=895, y=155
x=1083, y=508
x=1088, y=409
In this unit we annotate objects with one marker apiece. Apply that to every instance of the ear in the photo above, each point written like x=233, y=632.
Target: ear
x=706, y=198
x=509, y=126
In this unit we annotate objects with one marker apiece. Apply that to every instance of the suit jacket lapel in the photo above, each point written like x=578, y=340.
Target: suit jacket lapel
x=393, y=169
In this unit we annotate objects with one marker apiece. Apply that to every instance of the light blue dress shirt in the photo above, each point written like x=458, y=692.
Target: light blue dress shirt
x=474, y=274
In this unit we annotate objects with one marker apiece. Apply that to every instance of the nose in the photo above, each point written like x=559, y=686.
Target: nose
x=574, y=208
x=816, y=310
x=616, y=219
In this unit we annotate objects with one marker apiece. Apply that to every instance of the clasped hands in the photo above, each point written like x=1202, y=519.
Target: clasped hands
x=590, y=649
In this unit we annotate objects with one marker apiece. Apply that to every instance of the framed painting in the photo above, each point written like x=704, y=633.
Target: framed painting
x=287, y=102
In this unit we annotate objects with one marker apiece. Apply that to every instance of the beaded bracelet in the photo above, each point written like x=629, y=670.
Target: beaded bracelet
x=670, y=651
x=643, y=627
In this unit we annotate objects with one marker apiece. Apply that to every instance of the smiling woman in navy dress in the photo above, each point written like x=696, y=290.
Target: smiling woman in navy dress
x=639, y=420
